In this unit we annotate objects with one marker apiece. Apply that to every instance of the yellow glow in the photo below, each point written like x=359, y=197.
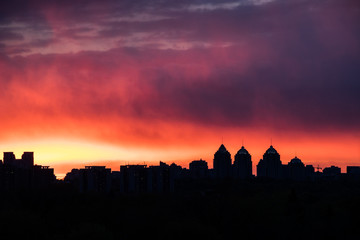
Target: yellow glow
x=52, y=152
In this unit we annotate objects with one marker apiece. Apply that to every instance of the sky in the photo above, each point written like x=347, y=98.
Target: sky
x=127, y=82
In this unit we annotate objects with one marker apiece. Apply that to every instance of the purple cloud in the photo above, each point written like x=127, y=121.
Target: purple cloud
x=275, y=64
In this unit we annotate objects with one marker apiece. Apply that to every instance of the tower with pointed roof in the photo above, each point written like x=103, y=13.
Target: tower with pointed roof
x=242, y=167
x=222, y=163
x=270, y=166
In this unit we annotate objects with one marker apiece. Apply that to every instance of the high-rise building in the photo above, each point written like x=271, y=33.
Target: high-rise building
x=9, y=158
x=22, y=174
x=270, y=166
x=222, y=163
x=198, y=169
x=296, y=169
x=134, y=178
x=27, y=159
x=96, y=179
x=242, y=164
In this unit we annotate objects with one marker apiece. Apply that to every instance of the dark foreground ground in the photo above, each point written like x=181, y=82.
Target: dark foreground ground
x=253, y=210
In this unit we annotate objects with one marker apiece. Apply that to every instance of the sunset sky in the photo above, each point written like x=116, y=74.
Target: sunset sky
x=117, y=82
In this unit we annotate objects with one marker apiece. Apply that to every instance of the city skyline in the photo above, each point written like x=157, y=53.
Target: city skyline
x=117, y=82
x=235, y=160
x=24, y=174
x=287, y=153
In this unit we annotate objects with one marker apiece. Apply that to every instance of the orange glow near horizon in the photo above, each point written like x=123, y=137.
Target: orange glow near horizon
x=64, y=154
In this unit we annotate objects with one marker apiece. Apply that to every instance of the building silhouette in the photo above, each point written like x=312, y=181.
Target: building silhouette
x=242, y=167
x=43, y=176
x=91, y=179
x=9, y=159
x=270, y=166
x=222, y=163
x=22, y=174
x=143, y=179
x=332, y=171
x=198, y=169
x=160, y=179
x=27, y=159
x=309, y=173
x=353, y=173
x=296, y=169
x=134, y=179
x=355, y=170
